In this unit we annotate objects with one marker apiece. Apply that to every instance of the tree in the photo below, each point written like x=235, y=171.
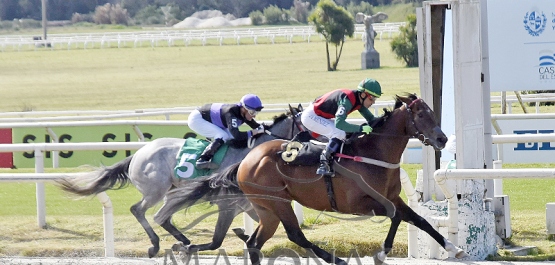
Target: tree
x=334, y=23
x=405, y=45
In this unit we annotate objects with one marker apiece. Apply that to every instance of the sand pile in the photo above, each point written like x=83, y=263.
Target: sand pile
x=212, y=19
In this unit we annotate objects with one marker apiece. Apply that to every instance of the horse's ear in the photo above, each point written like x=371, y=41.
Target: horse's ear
x=300, y=107
x=405, y=100
x=291, y=110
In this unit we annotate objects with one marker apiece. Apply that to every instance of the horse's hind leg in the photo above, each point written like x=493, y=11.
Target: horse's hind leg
x=169, y=227
x=266, y=228
x=167, y=224
x=139, y=210
x=409, y=216
x=240, y=232
x=228, y=210
x=294, y=233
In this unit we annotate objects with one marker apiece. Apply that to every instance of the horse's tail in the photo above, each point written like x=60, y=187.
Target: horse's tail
x=208, y=188
x=91, y=183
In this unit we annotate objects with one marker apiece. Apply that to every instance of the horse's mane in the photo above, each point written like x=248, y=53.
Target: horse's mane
x=387, y=112
x=280, y=117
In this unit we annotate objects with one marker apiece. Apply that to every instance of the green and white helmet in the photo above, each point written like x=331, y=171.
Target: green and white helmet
x=370, y=86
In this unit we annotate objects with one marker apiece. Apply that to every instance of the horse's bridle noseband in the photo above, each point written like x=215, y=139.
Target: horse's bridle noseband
x=296, y=122
x=411, y=124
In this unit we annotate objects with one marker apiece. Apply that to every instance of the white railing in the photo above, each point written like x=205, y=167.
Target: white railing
x=171, y=37
x=40, y=177
x=167, y=113
x=380, y=29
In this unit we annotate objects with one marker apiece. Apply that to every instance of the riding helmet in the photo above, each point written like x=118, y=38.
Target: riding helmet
x=370, y=86
x=252, y=102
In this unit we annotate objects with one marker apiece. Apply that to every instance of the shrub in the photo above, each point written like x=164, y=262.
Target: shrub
x=29, y=23
x=118, y=15
x=405, y=45
x=257, y=18
x=76, y=18
x=150, y=15
x=111, y=14
x=363, y=7
x=299, y=11
x=6, y=24
x=273, y=14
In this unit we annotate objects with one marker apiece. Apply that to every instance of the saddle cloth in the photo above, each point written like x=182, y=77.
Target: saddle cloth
x=302, y=150
x=188, y=156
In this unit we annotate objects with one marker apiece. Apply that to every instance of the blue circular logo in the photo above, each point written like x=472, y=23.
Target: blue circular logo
x=535, y=23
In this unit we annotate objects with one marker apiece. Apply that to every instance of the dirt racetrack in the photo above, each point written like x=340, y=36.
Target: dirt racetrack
x=214, y=260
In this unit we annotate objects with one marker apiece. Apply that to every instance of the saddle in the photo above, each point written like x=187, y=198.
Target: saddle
x=189, y=154
x=302, y=150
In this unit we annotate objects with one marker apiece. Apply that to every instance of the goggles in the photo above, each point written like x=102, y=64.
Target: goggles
x=371, y=97
x=252, y=112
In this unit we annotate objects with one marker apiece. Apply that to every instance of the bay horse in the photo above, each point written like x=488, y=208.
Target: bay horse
x=151, y=171
x=366, y=181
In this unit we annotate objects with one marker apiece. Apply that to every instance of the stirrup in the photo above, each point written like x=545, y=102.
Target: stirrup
x=205, y=164
x=325, y=170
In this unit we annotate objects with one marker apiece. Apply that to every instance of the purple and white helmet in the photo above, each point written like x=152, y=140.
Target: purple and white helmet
x=251, y=102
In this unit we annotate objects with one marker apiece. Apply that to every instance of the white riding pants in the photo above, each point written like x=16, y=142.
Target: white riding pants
x=321, y=125
x=206, y=128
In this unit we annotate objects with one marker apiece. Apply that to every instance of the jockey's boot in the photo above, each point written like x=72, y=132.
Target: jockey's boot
x=326, y=158
x=205, y=160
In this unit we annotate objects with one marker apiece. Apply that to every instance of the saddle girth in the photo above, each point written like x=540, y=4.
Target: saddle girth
x=329, y=189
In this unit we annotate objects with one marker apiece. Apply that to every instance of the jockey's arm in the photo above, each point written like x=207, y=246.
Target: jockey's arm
x=343, y=110
x=367, y=114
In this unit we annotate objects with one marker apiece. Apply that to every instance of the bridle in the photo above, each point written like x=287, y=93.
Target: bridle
x=296, y=116
x=411, y=124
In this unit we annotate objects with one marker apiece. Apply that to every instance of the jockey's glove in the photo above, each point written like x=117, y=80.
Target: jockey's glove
x=366, y=129
x=258, y=130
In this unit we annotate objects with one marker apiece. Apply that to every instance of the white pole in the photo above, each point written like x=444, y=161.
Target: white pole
x=298, y=208
x=248, y=223
x=108, y=212
x=412, y=196
x=497, y=183
x=41, y=201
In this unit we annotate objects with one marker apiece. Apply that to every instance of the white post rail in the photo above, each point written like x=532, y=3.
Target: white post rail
x=40, y=178
x=442, y=175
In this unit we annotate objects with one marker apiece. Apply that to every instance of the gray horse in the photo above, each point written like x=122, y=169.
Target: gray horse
x=151, y=171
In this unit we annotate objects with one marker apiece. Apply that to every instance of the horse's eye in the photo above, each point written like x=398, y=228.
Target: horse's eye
x=420, y=115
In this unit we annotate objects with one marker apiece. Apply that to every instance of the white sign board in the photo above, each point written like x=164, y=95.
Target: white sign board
x=538, y=152
x=521, y=38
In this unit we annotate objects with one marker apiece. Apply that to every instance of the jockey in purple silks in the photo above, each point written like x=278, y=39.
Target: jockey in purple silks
x=221, y=122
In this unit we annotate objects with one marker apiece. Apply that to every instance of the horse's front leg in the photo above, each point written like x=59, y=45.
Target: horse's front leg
x=379, y=257
x=413, y=218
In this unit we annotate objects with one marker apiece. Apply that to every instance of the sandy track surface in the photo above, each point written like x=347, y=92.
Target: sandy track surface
x=205, y=260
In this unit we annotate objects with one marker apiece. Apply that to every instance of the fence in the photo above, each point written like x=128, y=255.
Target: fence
x=171, y=37
x=40, y=177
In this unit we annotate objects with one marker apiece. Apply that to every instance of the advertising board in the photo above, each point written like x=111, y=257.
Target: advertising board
x=521, y=38
x=89, y=134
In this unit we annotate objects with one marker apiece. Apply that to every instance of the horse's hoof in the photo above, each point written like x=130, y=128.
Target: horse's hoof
x=461, y=254
x=342, y=262
x=152, y=251
x=379, y=258
x=240, y=233
x=178, y=246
